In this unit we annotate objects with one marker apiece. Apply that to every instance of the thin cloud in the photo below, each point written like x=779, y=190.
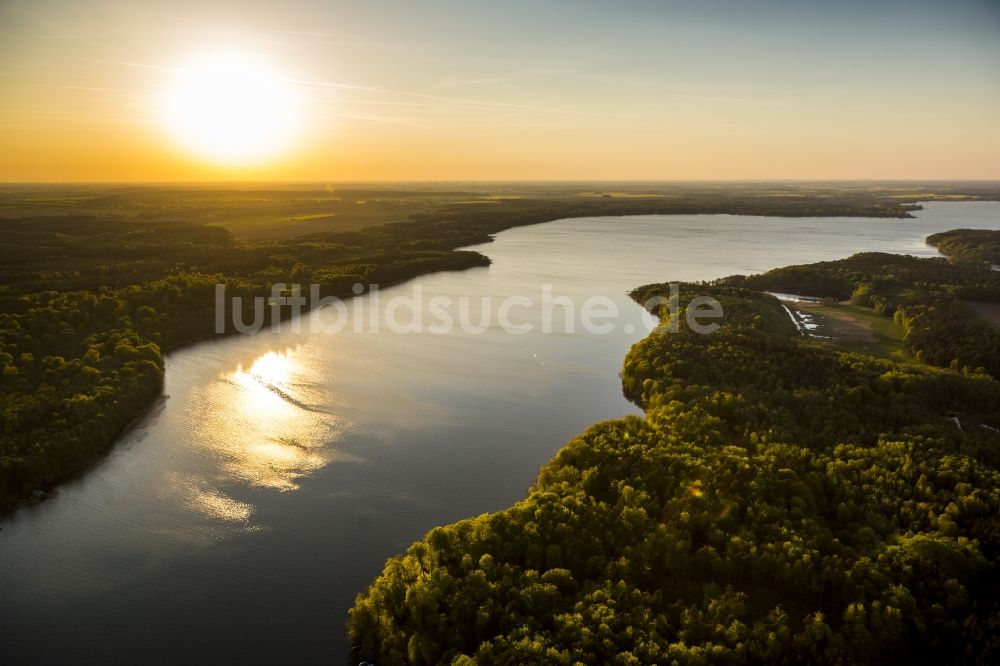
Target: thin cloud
x=712, y=98
x=484, y=81
x=96, y=88
x=320, y=35
x=443, y=100
x=416, y=95
x=332, y=84
x=467, y=102
x=138, y=65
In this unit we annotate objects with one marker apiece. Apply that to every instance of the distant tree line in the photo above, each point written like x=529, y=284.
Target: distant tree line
x=973, y=245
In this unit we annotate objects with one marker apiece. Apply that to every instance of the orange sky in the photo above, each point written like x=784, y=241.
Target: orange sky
x=562, y=91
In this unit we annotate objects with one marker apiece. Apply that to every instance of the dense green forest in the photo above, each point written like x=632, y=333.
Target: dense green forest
x=89, y=306
x=781, y=502
x=89, y=303
x=975, y=245
x=927, y=297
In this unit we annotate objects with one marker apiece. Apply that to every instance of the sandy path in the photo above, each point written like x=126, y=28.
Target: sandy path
x=838, y=324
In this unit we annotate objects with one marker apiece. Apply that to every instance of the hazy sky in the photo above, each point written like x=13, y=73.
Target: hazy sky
x=465, y=90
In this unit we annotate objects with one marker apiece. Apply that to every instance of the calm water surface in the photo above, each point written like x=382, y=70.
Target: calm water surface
x=240, y=518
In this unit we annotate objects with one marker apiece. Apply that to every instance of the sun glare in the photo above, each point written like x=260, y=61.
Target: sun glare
x=231, y=109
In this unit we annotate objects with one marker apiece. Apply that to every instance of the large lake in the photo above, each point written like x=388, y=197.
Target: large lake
x=240, y=518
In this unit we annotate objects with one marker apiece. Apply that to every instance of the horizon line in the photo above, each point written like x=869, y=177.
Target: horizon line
x=493, y=181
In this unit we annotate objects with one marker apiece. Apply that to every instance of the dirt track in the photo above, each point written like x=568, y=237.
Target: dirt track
x=840, y=325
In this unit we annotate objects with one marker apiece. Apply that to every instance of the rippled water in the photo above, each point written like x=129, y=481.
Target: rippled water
x=241, y=516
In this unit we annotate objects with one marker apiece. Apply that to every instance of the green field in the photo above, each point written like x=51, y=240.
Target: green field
x=888, y=335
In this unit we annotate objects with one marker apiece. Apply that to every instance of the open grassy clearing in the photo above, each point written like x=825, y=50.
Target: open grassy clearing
x=856, y=328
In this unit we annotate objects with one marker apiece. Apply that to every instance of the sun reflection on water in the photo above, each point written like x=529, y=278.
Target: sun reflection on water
x=266, y=426
x=272, y=431
x=217, y=505
x=265, y=381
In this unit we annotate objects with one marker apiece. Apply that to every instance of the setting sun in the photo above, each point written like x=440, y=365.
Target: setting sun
x=231, y=108
x=519, y=332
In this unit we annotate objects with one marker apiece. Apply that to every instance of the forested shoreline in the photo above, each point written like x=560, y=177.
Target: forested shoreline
x=927, y=297
x=969, y=245
x=782, y=501
x=78, y=365
x=89, y=305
